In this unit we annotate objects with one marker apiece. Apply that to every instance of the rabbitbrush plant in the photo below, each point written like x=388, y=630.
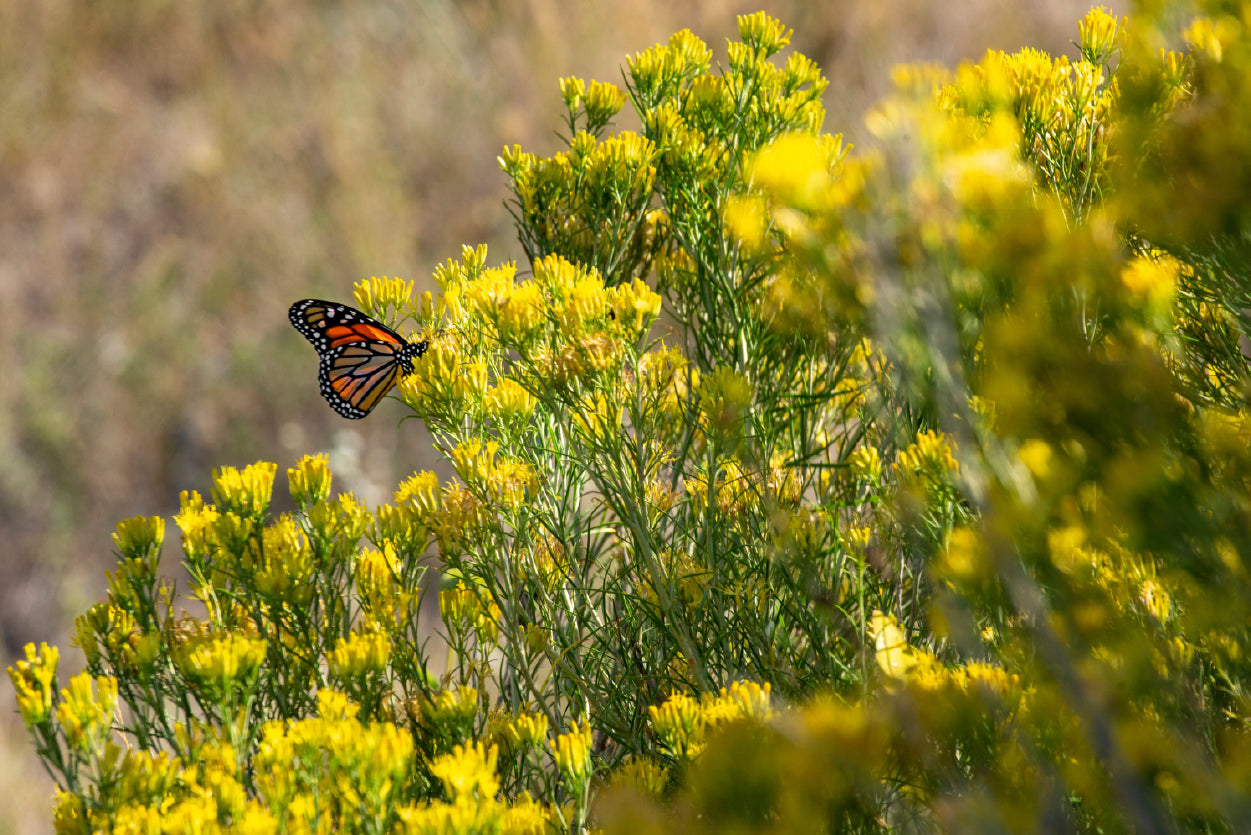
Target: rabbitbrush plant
x=796, y=488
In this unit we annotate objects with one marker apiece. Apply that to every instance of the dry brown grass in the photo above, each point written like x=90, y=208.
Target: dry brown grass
x=174, y=174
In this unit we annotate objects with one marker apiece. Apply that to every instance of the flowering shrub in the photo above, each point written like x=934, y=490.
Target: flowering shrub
x=928, y=509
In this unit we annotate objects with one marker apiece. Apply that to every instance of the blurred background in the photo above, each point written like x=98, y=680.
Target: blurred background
x=173, y=174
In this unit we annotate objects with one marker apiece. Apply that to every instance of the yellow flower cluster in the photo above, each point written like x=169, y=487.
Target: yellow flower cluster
x=526, y=730
x=377, y=295
x=929, y=456
x=572, y=754
x=383, y=598
x=309, y=480
x=140, y=536
x=507, y=481
x=247, y=492
x=464, y=610
x=221, y=663
x=600, y=100
x=367, y=763
x=359, y=656
x=682, y=723
x=33, y=679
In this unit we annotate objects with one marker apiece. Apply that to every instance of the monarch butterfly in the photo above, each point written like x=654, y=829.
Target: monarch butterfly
x=361, y=358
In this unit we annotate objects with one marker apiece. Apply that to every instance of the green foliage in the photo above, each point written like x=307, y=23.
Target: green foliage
x=947, y=448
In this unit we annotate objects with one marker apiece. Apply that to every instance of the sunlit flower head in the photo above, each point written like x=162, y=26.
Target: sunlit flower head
x=309, y=480
x=468, y=772
x=34, y=679
x=244, y=492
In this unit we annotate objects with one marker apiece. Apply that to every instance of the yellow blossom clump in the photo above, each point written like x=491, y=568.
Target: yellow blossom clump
x=464, y=610
x=526, y=730
x=140, y=536
x=245, y=492
x=421, y=492
x=486, y=292
x=644, y=775
x=86, y=717
x=964, y=555
x=433, y=381
x=635, y=305
x=930, y=455
x=219, y=661
x=33, y=679
x=866, y=464
x=197, y=521
x=506, y=480
x=377, y=295
x=377, y=574
x=359, y=655
x=741, y=700
x=509, y=400
x=679, y=725
x=448, y=713
x=309, y=480
x=282, y=565
x=469, y=771
x=1036, y=455
x=291, y=765
x=1152, y=279
x=572, y=754
x=521, y=314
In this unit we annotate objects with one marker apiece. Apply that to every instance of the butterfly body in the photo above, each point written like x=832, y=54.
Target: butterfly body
x=361, y=358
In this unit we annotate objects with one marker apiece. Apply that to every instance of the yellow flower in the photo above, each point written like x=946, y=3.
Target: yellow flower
x=33, y=679
x=763, y=32
x=521, y=313
x=140, y=536
x=86, y=717
x=463, y=818
x=644, y=775
x=378, y=294
x=421, y=491
x=1152, y=279
x=635, y=305
x=447, y=710
x=471, y=383
x=462, y=609
x=930, y=454
x=509, y=400
x=526, y=817
x=1155, y=599
x=866, y=463
x=218, y=660
x=197, y=522
x=468, y=772
x=572, y=753
x=377, y=576
x=359, y=655
x=527, y=729
x=283, y=566
x=245, y=493
x=743, y=699
x=679, y=725
x=309, y=480
x=1098, y=34
x=1068, y=550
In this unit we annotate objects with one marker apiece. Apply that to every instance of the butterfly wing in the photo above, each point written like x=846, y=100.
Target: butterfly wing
x=361, y=358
